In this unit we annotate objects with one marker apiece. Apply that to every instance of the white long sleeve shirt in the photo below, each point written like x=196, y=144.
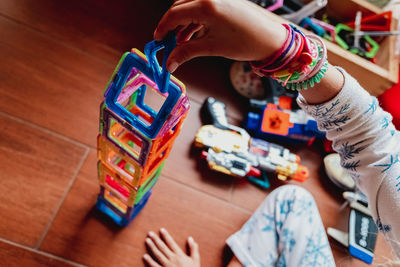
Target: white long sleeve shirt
x=369, y=147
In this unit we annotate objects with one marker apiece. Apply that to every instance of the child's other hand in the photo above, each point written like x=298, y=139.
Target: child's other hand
x=168, y=254
x=235, y=29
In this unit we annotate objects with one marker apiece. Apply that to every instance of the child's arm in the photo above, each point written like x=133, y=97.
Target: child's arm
x=362, y=132
x=235, y=29
x=368, y=143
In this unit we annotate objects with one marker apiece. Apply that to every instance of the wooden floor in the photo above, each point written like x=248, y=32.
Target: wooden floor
x=55, y=59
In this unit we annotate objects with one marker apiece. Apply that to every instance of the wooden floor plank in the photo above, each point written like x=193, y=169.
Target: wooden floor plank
x=11, y=256
x=107, y=31
x=185, y=165
x=50, y=84
x=99, y=28
x=36, y=168
x=56, y=57
x=81, y=235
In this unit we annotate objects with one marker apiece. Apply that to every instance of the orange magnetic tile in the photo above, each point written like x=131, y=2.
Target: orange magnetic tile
x=109, y=154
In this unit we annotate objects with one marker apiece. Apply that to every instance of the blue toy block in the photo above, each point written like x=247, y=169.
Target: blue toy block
x=365, y=256
x=161, y=75
x=313, y=26
x=133, y=63
x=121, y=219
x=297, y=134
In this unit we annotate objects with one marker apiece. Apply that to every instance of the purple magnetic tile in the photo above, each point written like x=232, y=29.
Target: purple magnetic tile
x=145, y=149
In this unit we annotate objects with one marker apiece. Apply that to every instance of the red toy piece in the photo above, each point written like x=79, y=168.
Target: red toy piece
x=378, y=22
x=390, y=102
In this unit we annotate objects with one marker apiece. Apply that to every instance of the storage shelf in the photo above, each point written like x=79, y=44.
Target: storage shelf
x=375, y=78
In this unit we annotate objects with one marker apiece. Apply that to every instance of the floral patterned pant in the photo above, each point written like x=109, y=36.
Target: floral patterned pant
x=285, y=230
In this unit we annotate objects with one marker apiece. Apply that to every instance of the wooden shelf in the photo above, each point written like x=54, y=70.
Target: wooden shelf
x=375, y=78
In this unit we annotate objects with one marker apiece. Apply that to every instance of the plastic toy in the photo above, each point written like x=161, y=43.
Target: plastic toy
x=328, y=29
x=362, y=234
x=245, y=81
x=230, y=149
x=337, y=174
x=305, y=11
x=344, y=38
x=262, y=120
x=320, y=28
x=278, y=121
x=378, y=22
x=307, y=23
x=135, y=137
x=250, y=85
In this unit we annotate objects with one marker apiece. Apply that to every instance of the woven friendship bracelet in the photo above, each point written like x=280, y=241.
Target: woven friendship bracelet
x=299, y=64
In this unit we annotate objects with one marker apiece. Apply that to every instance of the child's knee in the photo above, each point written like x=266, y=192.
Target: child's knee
x=293, y=193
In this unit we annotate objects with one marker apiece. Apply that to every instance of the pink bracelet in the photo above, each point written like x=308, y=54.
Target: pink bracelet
x=320, y=63
x=288, y=59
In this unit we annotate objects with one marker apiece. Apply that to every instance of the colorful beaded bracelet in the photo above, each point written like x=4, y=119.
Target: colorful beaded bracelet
x=300, y=69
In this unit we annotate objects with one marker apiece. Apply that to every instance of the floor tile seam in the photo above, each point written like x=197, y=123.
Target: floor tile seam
x=62, y=199
x=231, y=192
x=44, y=129
x=205, y=193
x=40, y=252
x=60, y=41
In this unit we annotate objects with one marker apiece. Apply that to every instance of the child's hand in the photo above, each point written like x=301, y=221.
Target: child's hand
x=235, y=29
x=167, y=253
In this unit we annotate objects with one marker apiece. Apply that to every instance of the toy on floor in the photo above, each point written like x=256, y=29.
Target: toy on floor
x=362, y=234
x=279, y=120
x=337, y=174
x=229, y=149
x=140, y=118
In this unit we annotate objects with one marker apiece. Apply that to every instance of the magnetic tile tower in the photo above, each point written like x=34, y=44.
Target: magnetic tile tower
x=140, y=118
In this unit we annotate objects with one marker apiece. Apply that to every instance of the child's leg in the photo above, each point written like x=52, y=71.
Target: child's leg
x=286, y=230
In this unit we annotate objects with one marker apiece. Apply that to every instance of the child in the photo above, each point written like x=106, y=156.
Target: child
x=362, y=133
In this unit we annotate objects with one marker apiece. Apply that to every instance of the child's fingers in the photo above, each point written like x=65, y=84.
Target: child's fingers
x=180, y=2
x=186, y=51
x=194, y=249
x=170, y=241
x=149, y=260
x=182, y=15
x=156, y=252
x=185, y=34
x=160, y=244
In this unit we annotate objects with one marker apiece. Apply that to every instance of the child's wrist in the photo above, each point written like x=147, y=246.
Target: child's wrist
x=300, y=63
x=270, y=46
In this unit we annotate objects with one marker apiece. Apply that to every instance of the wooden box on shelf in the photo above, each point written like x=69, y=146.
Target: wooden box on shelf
x=375, y=78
